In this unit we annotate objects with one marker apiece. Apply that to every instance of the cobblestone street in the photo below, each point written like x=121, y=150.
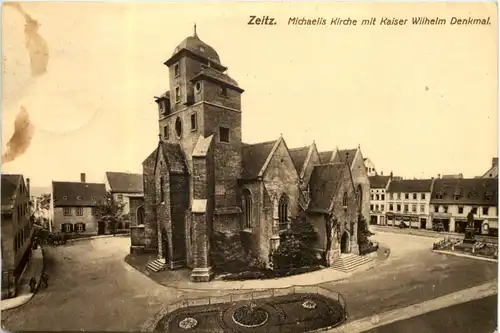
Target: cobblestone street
x=92, y=288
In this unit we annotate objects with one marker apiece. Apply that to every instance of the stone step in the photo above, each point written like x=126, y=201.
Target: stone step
x=348, y=263
x=156, y=266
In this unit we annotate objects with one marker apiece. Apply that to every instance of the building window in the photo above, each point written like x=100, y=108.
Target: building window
x=194, y=123
x=177, y=70
x=79, y=211
x=178, y=127
x=165, y=132
x=485, y=210
x=391, y=207
x=382, y=196
x=371, y=208
x=398, y=208
x=376, y=208
x=445, y=209
x=422, y=208
x=371, y=196
x=407, y=196
x=406, y=208
x=399, y=196
x=422, y=196
x=378, y=197
x=80, y=227
x=414, y=208
x=247, y=206
x=474, y=210
x=177, y=94
x=436, y=208
x=67, y=211
x=162, y=191
x=197, y=86
x=344, y=200
x=414, y=196
x=223, y=91
x=456, y=197
x=283, y=212
x=460, y=210
x=67, y=227
x=381, y=208
x=94, y=211
x=224, y=134
x=391, y=196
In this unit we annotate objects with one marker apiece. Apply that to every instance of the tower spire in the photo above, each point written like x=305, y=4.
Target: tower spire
x=195, y=30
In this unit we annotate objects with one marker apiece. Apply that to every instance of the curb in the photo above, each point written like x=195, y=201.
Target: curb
x=96, y=237
x=28, y=297
x=465, y=255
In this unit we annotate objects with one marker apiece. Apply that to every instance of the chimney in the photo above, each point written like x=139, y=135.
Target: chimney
x=82, y=177
x=439, y=176
x=28, y=187
x=494, y=161
x=381, y=173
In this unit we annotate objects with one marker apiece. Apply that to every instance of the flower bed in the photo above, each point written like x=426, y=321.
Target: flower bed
x=250, y=316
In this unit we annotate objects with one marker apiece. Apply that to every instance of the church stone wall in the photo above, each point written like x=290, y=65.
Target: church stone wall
x=360, y=177
x=179, y=203
x=163, y=211
x=150, y=223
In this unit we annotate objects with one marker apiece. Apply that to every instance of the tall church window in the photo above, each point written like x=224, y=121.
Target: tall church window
x=247, y=209
x=283, y=212
x=177, y=94
x=178, y=127
x=162, y=190
x=359, y=196
x=165, y=132
x=224, y=134
x=194, y=122
x=344, y=200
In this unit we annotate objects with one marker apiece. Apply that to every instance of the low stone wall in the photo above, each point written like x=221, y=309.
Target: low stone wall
x=137, y=239
x=252, y=295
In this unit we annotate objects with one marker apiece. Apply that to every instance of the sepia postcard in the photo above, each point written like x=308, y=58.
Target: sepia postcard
x=240, y=167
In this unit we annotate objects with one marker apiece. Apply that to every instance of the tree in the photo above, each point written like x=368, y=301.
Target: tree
x=296, y=245
x=109, y=211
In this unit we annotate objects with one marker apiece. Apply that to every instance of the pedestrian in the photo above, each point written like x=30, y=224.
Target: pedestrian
x=45, y=280
x=32, y=284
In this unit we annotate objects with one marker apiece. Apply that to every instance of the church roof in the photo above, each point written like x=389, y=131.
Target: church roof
x=323, y=184
x=326, y=156
x=299, y=156
x=254, y=157
x=212, y=73
x=352, y=154
x=195, y=45
x=176, y=161
x=122, y=182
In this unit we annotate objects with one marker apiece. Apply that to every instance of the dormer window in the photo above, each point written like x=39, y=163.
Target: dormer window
x=78, y=198
x=197, y=87
x=65, y=198
x=177, y=70
x=456, y=197
x=202, y=48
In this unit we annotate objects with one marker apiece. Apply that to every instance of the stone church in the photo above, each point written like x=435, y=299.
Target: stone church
x=202, y=177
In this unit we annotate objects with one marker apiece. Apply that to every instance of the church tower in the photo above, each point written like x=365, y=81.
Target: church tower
x=201, y=113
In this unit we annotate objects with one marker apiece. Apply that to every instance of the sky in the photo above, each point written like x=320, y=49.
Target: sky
x=419, y=100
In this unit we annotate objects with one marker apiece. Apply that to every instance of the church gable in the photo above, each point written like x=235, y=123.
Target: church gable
x=174, y=158
x=299, y=157
x=323, y=186
x=313, y=159
x=254, y=158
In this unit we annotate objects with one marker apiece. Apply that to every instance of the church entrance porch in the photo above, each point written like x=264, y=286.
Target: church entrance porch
x=345, y=243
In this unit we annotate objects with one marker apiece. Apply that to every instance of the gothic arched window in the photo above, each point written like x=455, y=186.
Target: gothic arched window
x=283, y=211
x=247, y=209
x=359, y=196
x=344, y=200
x=162, y=190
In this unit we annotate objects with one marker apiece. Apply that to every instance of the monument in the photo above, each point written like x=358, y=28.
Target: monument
x=469, y=230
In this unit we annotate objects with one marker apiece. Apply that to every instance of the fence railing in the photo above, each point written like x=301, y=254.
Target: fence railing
x=266, y=293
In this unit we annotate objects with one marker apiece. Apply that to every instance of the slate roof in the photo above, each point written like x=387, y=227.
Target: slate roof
x=323, y=184
x=299, y=156
x=326, y=156
x=197, y=46
x=352, y=154
x=176, y=161
x=379, y=181
x=122, y=182
x=77, y=194
x=472, y=191
x=216, y=75
x=10, y=183
x=253, y=158
x=410, y=186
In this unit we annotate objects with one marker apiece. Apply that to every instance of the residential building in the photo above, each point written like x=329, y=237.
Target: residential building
x=456, y=176
x=202, y=177
x=408, y=203
x=73, y=206
x=493, y=170
x=370, y=168
x=378, y=200
x=453, y=199
x=127, y=189
x=17, y=231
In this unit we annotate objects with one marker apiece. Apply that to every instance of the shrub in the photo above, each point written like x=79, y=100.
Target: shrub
x=227, y=253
